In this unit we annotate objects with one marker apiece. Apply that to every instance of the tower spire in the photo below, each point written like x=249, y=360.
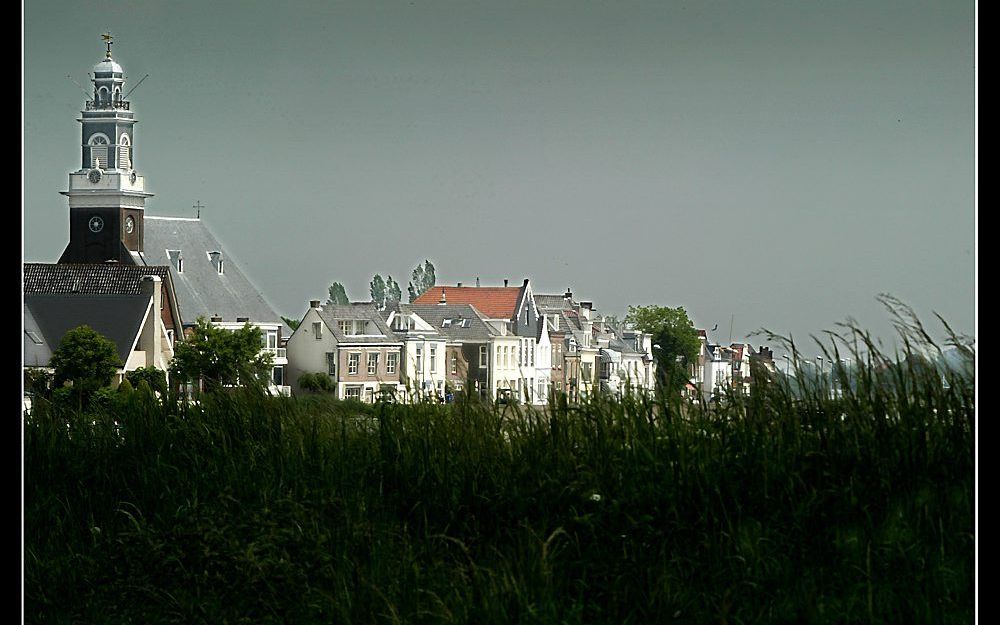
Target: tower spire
x=108, y=41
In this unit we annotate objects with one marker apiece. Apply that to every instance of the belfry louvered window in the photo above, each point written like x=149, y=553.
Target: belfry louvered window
x=124, y=153
x=98, y=151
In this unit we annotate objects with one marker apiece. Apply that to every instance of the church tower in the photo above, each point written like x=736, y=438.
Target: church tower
x=106, y=196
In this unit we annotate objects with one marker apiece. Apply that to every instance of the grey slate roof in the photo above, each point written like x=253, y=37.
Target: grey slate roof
x=117, y=317
x=478, y=331
x=332, y=314
x=95, y=279
x=37, y=350
x=201, y=289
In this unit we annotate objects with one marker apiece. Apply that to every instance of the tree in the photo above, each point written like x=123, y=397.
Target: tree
x=337, y=294
x=156, y=378
x=377, y=290
x=316, y=382
x=291, y=323
x=423, y=279
x=85, y=358
x=393, y=294
x=221, y=357
x=675, y=341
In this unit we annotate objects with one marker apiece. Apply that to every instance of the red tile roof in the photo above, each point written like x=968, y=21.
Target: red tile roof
x=494, y=302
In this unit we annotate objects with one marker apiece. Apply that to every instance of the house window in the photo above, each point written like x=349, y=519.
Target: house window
x=352, y=392
x=372, y=363
x=353, y=360
x=433, y=358
x=345, y=327
x=390, y=362
x=497, y=361
x=483, y=356
x=531, y=354
x=585, y=368
x=446, y=323
x=278, y=376
x=454, y=364
x=318, y=329
x=331, y=364
x=272, y=339
x=170, y=337
x=420, y=359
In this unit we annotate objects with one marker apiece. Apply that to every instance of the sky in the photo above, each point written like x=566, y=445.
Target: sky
x=762, y=164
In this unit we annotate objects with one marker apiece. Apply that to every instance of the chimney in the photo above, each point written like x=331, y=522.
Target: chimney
x=314, y=303
x=477, y=280
x=443, y=300
x=555, y=322
x=459, y=285
x=150, y=339
x=505, y=281
x=568, y=295
x=525, y=282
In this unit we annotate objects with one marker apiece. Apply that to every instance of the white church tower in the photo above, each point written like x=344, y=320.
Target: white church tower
x=106, y=196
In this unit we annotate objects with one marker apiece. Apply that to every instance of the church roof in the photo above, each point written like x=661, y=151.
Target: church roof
x=92, y=278
x=117, y=317
x=201, y=290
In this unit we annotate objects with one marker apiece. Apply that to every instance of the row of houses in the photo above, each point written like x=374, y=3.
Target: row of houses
x=144, y=280
x=498, y=343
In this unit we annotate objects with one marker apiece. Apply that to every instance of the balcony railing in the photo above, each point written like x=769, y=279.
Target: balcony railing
x=99, y=105
x=277, y=352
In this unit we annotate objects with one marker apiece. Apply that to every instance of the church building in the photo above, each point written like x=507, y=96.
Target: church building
x=109, y=227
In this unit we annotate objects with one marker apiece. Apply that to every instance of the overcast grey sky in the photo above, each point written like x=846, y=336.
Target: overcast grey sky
x=783, y=162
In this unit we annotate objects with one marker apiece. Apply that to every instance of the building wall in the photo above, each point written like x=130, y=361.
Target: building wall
x=305, y=353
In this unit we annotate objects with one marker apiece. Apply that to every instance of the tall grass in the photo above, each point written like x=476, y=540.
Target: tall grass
x=789, y=506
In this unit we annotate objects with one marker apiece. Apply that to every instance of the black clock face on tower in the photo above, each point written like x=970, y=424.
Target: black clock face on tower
x=96, y=224
x=129, y=224
x=94, y=175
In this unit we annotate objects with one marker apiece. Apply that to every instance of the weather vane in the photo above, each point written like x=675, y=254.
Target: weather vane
x=108, y=41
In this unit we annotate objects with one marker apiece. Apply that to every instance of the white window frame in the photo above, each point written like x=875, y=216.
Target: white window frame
x=433, y=358
x=391, y=359
x=353, y=363
x=372, y=363
x=484, y=356
x=317, y=329
x=420, y=358
x=331, y=364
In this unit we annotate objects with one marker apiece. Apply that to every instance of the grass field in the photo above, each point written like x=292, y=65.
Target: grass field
x=787, y=507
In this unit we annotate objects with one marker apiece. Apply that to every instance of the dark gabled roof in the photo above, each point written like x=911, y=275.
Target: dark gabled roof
x=332, y=314
x=37, y=350
x=117, y=317
x=478, y=331
x=93, y=279
x=201, y=289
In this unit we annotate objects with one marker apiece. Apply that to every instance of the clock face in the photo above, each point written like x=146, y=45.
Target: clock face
x=96, y=224
x=129, y=224
x=94, y=175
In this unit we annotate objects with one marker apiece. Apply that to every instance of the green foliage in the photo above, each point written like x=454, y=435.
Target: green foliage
x=37, y=381
x=338, y=295
x=291, y=323
x=423, y=278
x=317, y=382
x=676, y=338
x=377, y=290
x=125, y=388
x=86, y=359
x=221, y=357
x=155, y=378
x=778, y=508
x=393, y=294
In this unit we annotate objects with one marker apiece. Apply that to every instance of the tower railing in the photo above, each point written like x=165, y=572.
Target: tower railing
x=98, y=105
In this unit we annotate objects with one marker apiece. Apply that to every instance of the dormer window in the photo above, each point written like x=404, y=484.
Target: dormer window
x=446, y=323
x=176, y=260
x=216, y=258
x=98, y=150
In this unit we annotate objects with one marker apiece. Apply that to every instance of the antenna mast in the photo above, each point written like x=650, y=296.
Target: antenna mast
x=135, y=87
